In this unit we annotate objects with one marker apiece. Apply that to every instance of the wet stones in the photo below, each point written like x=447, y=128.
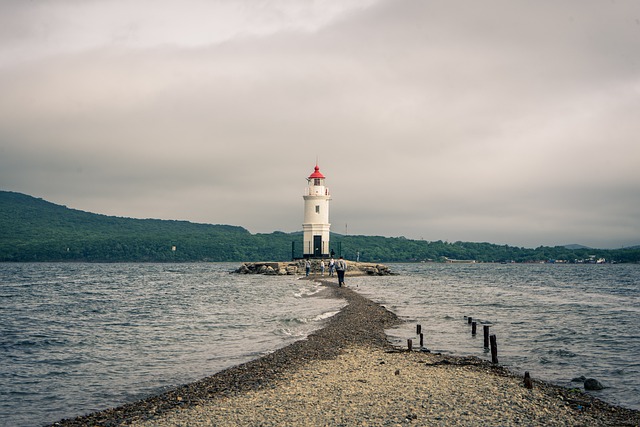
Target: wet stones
x=592, y=384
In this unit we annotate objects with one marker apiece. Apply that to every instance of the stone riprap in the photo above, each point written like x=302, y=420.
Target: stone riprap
x=298, y=267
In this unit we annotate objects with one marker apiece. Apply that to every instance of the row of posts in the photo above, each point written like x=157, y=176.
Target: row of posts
x=490, y=341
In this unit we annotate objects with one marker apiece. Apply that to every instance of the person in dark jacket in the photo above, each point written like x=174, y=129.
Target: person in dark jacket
x=341, y=267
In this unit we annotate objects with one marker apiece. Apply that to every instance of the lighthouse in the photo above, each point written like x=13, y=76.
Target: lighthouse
x=316, y=225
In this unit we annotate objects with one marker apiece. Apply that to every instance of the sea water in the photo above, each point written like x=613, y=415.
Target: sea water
x=557, y=321
x=77, y=338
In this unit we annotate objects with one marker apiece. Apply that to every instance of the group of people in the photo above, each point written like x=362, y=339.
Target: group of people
x=339, y=267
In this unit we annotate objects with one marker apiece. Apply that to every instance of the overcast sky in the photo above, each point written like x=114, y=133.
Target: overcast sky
x=510, y=122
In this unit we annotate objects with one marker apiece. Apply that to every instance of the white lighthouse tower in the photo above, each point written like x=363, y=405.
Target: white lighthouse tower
x=316, y=217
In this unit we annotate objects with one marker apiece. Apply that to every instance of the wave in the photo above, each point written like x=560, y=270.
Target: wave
x=305, y=293
x=326, y=315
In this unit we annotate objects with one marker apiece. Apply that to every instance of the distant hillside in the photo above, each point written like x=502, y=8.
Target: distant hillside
x=33, y=229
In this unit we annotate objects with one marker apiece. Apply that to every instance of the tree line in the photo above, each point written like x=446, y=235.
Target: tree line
x=34, y=230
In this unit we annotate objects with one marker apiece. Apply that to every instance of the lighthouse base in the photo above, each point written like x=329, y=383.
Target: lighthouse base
x=298, y=268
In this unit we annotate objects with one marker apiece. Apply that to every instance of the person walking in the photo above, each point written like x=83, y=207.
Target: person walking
x=307, y=267
x=341, y=267
x=332, y=266
x=322, y=267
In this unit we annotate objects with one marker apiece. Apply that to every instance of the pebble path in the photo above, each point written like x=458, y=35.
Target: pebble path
x=347, y=374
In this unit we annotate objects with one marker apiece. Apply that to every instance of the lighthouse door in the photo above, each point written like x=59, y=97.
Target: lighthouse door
x=317, y=246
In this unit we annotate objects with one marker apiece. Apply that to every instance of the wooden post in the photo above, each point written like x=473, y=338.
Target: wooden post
x=418, y=329
x=527, y=380
x=410, y=344
x=421, y=339
x=473, y=328
x=494, y=348
x=485, y=330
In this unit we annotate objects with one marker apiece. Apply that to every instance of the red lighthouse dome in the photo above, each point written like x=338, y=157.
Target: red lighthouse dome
x=316, y=173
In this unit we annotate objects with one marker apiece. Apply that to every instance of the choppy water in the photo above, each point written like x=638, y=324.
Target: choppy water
x=76, y=338
x=556, y=321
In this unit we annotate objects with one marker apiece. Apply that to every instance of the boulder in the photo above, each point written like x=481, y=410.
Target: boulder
x=243, y=269
x=292, y=269
x=592, y=384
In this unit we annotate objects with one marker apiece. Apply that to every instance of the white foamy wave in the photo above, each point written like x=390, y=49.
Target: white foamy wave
x=326, y=315
x=291, y=332
x=295, y=321
x=307, y=292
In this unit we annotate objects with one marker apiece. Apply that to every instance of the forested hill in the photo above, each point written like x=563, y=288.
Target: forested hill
x=32, y=229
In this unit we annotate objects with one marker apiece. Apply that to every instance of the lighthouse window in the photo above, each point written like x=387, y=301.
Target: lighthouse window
x=316, y=181
x=317, y=208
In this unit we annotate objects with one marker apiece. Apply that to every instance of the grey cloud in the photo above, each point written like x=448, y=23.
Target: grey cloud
x=494, y=121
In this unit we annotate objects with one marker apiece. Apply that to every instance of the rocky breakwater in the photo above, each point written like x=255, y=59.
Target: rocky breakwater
x=298, y=267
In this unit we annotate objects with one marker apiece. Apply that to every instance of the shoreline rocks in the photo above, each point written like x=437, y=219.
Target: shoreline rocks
x=593, y=384
x=297, y=267
x=589, y=383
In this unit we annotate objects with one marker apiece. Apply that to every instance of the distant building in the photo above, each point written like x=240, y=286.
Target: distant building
x=316, y=225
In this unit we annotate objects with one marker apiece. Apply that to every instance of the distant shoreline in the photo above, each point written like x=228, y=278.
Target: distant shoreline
x=30, y=235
